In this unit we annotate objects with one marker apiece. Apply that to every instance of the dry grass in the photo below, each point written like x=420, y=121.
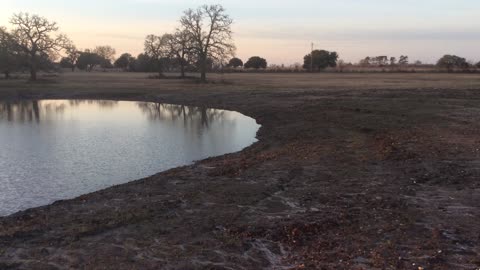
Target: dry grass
x=90, y=82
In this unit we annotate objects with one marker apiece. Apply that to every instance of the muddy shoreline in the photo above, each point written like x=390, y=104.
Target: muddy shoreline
x=340, y=179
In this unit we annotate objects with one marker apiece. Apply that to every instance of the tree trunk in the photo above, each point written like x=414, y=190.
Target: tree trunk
x=182, y=70
x=33, y=67
x=203, y=75
x=33, y=73
x=36, y=110
x=203, y=69
x=160, y=69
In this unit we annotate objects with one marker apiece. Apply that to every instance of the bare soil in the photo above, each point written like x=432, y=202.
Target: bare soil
x=351, y=171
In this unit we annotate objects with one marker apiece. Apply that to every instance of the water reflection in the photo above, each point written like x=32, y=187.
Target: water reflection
x=37, y=110
x=199, y=115
x=60, y=149
x=106, y=104
x=20, y=111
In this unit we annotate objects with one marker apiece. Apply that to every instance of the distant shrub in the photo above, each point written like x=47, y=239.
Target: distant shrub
x=452, y=62
x=256, y=62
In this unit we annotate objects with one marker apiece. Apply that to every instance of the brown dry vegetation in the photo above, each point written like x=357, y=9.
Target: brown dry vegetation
x=92, y=82
x=352, y=171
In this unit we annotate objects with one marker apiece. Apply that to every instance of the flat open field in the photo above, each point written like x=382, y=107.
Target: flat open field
x=126, y=82
x=351, y=171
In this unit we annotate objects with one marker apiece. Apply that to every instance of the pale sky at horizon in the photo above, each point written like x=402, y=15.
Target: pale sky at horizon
x=280, y=31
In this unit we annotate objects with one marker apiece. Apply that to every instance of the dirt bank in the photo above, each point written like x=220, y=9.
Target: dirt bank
x=346, y=178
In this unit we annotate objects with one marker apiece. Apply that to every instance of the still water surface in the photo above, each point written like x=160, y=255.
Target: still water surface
x=59, y=149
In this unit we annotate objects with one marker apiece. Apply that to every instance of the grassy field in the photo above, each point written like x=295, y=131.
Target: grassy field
x=251, y=81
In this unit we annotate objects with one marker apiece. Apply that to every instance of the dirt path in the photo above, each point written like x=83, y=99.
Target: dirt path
x=340, y=179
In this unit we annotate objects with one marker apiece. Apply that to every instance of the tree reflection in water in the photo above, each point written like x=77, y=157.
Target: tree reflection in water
x=22, y=111
x=77, y=147
x=196, y=117
x=106, y=104
x=37, y=110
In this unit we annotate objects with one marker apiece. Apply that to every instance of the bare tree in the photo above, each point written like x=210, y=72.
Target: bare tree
x=403, y=61
x=180, y=46
x=211, y=33
x=341, y=64
x=156, y=47
x=72, y=55
x=107, y=53
x=35, y=36
x=9, y=55
x=393, y=61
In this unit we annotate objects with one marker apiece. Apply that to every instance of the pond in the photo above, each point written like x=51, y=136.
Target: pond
x=59, y=149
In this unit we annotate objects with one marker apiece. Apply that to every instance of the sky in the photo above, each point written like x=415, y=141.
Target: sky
x=280, y=31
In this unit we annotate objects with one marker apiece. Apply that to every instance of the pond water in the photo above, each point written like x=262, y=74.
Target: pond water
x=59, y=149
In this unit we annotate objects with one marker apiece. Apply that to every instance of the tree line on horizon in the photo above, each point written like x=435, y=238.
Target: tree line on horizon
x=322, y=60
x=203, y=36
x=201, y=43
